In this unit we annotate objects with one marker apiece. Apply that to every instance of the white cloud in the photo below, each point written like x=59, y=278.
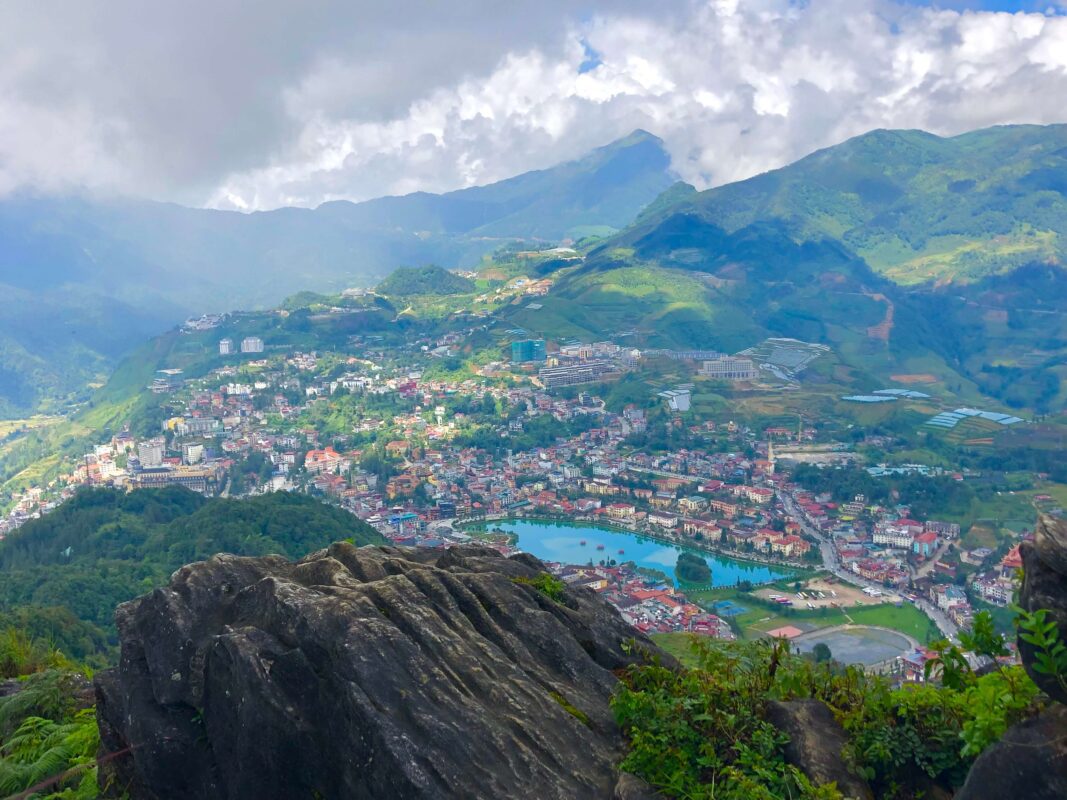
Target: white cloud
x=343, y=100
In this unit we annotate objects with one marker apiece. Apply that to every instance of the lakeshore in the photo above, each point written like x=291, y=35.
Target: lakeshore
x=562, y=542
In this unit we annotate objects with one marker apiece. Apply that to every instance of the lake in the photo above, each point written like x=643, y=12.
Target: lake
x=562, y=542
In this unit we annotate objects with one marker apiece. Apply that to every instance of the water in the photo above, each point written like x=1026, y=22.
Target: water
x=557, y=541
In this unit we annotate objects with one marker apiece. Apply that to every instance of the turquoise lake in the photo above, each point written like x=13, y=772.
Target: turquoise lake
x=552, y=541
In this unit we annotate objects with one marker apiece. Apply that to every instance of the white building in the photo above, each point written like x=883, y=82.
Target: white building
x=729, y=368
x=150, y=453
x=251, y=344
x=893, y=536
x=225, y=347
x=192, y=453
x=677, y=399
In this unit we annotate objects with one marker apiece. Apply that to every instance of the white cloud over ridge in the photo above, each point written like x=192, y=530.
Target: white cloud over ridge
x=358, y=107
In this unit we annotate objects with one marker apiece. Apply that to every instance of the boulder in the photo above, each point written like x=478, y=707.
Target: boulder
x=630, y=787
x=1042, y=587
x=1029, y=761
x=816, y=743
x=364, y=672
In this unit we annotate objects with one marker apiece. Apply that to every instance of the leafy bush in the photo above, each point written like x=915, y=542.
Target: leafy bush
x=702, y=732
x=551, y=587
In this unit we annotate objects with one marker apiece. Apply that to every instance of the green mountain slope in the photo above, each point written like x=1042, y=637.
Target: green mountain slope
x=104, y=547
x=917, y=207
x=115, y=270
x=909, y=254
x=424, y=280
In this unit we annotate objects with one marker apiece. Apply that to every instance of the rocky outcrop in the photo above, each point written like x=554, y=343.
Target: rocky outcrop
x=369, y=672
x=816, y=743
x=1045, y=586
x=1030, y=760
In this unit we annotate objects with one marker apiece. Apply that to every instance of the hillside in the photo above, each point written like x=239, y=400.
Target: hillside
x=917, y=207
x=104, y=547
x=88, y=278
x=424, y=280
x=907, y=253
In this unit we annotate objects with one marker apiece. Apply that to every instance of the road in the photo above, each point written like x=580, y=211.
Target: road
x=830, y=560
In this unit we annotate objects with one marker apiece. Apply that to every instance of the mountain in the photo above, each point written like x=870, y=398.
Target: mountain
x=424, y=280
x=88, y=278
x=917, y=208
x=908, y=253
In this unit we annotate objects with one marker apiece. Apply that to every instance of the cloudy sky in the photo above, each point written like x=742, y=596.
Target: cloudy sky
x=257, y=105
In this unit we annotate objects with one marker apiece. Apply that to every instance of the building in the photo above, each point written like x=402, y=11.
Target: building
x=677, y=399
x=729, y=368
x=589, y=372
x=198, y=479
x=893, y=536
x=925, y=544
x=225, y=347
x=528, y=350
x=150, y=453
x=192, y=453
x=319, y=461
x=251, y=344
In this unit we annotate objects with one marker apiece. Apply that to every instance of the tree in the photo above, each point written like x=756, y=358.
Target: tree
x=822, y=653
x=692, y=569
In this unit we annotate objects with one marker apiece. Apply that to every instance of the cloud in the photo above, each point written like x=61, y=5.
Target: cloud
x=203, y=103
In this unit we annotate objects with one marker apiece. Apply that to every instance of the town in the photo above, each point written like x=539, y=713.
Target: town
x=431, y=460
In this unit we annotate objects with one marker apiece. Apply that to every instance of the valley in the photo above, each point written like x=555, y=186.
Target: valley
x=734, y=431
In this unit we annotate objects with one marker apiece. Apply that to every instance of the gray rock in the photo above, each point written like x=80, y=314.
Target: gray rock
x=1029, y=761
x=816, y=742
x=1050, y=540
x=374, y=672
x=630, y=787
x=1043, y=587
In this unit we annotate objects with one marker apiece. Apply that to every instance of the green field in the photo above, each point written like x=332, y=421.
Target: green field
x=760, y=618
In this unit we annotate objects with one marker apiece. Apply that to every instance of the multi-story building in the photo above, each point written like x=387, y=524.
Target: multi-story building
x=150, y=453
x=893, y=536
x=589, y=372
x=225, y=347
x=527, y=350
x=729, y=368
x=251, y=344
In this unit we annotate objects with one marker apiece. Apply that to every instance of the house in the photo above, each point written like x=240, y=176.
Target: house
x=925, y=544
x=692, y=505
x=728, y=510
x=663, y=520
x=620, y=511
x=318, y=461
x=396, y=449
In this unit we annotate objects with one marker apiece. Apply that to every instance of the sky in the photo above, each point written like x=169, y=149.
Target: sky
x=240, y=105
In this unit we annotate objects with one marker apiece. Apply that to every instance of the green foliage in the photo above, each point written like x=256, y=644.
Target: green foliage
x=104, y=547
x=691, y=568
x=22, y=654
x=548, y=585
x=570, y=708
x=424, y=280
x=61, y=756
x=701, y=732
x=1050, y=653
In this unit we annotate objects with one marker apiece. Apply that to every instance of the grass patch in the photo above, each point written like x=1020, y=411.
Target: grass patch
x=906, y=618
x=552, y=588
x=570, y=708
